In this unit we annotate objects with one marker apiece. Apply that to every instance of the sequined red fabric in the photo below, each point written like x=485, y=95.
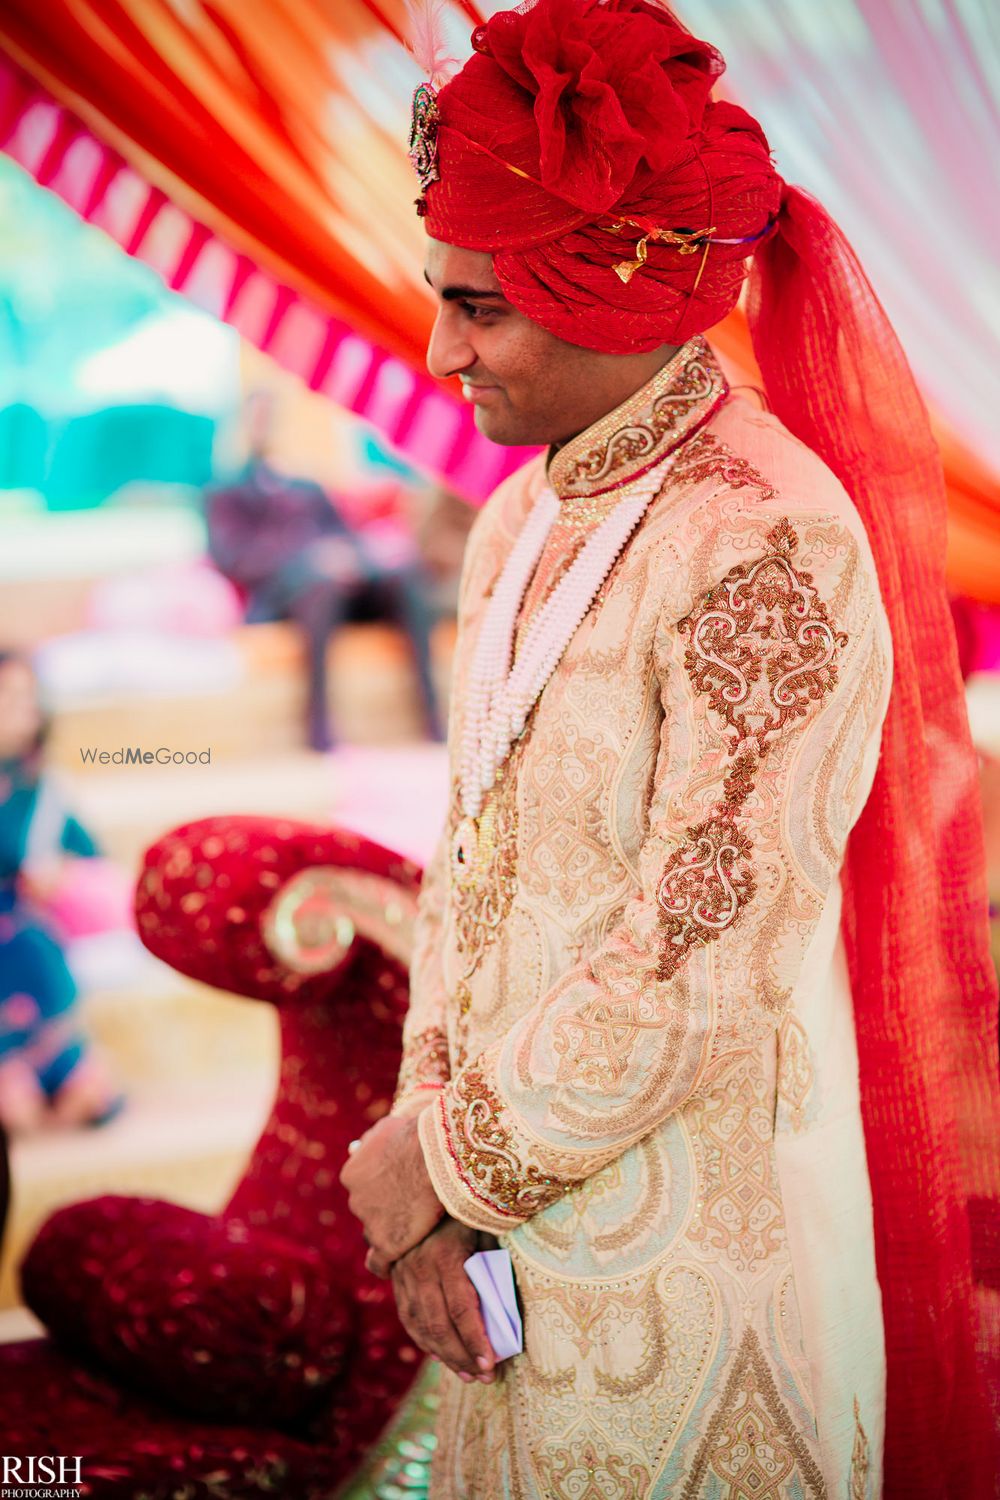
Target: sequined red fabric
x=250, y=1353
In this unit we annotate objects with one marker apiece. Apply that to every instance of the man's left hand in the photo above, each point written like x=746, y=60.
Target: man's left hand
x=390, y=1191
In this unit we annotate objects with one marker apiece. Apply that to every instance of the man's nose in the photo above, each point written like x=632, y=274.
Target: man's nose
x=448, y=353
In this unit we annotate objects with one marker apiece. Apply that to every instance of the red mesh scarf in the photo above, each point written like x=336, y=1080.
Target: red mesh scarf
x=915, y=908
x=572, y=116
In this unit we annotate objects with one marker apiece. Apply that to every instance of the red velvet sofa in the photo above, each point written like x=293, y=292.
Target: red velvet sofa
x=251, y=1353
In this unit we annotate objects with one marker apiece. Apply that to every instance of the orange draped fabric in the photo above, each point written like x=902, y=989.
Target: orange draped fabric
x=243, y=116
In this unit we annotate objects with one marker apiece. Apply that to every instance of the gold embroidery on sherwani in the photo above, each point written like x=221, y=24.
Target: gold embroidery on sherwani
x=708, y=457
x=795, y=1069
x=425, y=1063
x=787, y=912
x=484, y=1154
x=708, y=881
x=481, y=906
x=641, y=1007
x=703, y=888
x=752, y=1444
x=593, y=1473
x=860, y=1458
x=826, y=540
x=740, y=1217
x=565, y=845
x=653, y=1343
x=645, y=427
x=645, y=1216
x=764, y=619
x=761, y=650
x=651, y=1340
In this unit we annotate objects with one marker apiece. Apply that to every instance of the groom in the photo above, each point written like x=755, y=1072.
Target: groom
x=695, y=643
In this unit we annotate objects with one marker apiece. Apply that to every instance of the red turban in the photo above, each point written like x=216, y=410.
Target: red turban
x=572, y=117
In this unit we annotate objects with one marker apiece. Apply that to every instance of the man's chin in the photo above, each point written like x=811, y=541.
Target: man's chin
x=498, y=427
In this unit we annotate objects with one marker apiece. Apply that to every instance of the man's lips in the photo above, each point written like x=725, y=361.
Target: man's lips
x=479, y=393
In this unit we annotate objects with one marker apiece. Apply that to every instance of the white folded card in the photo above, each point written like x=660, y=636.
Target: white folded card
x=492, y=1275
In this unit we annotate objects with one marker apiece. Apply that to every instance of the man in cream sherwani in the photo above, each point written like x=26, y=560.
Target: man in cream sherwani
x=631, y=1057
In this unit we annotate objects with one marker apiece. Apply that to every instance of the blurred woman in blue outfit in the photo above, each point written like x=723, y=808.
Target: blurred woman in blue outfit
x=48, y=1071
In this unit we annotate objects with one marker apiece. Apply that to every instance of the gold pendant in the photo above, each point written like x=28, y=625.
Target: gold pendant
x=472, y=845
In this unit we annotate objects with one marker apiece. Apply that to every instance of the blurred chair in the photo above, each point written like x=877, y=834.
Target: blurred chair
x=250, y=1352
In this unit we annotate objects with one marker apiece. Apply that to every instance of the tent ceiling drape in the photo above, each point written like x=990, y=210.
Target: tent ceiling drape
x=252, y=154
x=255, y=155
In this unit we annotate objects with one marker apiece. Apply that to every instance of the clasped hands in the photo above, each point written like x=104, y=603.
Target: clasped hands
x=390, y=1191
x=411, y=1240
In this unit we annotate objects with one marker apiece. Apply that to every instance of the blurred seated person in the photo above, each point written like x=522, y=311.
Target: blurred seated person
x=283, y=542
x=49, y=1072
x=4, y=1183
x=439, y=523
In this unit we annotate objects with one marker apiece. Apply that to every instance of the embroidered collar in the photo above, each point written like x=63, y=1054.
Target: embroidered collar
x=679, y=399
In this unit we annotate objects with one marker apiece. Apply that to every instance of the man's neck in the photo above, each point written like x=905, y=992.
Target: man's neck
x=620, y=398
x=641, y=430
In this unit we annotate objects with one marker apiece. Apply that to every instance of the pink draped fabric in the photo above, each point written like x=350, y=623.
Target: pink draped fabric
x=890, y=114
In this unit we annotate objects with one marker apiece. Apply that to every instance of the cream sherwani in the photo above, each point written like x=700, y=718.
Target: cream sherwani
x=631, y=1036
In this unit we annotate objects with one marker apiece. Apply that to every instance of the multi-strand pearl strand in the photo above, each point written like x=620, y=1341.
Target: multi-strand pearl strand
x=499, y=696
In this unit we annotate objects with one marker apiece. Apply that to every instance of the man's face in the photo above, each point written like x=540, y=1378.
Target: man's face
x=527, y=385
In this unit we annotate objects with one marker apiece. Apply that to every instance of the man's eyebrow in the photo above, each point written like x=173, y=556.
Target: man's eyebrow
x=461, y=293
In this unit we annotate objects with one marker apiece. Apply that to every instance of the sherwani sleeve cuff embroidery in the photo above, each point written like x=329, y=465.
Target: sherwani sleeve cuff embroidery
x=480, y=1164
x=416, y=1100
x=424, y=1070
x=460, y=1202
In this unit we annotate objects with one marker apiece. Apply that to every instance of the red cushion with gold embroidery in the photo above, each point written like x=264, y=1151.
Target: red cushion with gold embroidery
x=263, y=1316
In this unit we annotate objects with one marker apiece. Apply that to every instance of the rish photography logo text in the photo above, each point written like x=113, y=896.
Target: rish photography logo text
x=134, y=755
x=45, y=1477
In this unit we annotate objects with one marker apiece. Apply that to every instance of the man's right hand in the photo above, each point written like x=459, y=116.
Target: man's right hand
x=438, y=1305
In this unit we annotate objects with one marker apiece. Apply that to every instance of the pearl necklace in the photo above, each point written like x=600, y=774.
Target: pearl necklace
x=499, y=696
